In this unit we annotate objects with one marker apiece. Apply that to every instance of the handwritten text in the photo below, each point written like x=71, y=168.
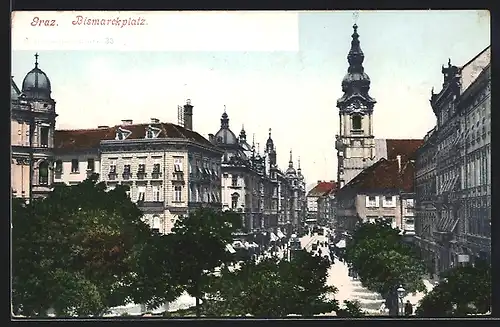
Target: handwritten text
x=119, y=22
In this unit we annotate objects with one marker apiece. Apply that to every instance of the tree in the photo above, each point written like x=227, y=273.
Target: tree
x=352, y=309
x=272, y=288
x=78, y=251
x=464, y=290
x=198, y=244
x=384, y=262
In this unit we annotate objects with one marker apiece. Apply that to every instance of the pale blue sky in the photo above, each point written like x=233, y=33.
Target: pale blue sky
x=294, y=93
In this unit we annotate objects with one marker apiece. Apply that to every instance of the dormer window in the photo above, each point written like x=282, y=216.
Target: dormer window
x=122, y=134
x=152, y=132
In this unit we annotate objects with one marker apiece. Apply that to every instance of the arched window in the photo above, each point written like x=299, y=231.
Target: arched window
x=43, y=173
x=356, y=122
x=234, y=200
x=156, y=223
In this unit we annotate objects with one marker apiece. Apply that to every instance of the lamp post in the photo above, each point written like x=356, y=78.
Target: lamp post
x=401, y=294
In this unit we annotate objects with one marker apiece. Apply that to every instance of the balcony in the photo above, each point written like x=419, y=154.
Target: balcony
x=126, y=175
x=357, y=132
x=156, y=175
x=178, y=176
x=151, y=206
x=141, y=174
x=112, y=176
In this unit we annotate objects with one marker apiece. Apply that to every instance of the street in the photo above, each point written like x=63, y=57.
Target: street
x=350, y=289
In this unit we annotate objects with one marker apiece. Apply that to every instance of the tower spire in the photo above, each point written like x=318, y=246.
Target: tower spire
x=224, y=121
x=290, y=163
x=356, y=55
x=36, y=60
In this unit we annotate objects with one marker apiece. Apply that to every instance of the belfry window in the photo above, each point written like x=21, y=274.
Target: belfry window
x=356, y=122
x=43, y=173
x=44, y=137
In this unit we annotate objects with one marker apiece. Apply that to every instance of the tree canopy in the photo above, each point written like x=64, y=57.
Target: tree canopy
x=464, y=290
x=81, y=250
x=272, y=288
x=383, y=261
x=198, y=245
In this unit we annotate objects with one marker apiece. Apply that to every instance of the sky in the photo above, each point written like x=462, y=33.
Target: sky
x=292, y=91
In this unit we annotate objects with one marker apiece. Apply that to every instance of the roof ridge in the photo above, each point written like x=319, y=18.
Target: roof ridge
x=475, y=57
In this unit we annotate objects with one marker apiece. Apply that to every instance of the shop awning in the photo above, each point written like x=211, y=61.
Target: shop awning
x=280, y=234
x=340, y=244
x=230, y=249
x=273, y=237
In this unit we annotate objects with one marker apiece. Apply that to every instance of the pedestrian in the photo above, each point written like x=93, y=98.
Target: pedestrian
x=382, y=308
x=408, y=308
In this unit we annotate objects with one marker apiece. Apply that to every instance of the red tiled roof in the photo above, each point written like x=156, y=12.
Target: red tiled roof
x=405, y=148
x=384, y=175
x=86, y=139
x=322, y=187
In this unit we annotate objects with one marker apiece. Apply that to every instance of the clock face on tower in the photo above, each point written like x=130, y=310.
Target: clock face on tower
x=356, y=107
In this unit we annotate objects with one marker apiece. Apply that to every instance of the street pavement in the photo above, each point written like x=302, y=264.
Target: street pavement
x=350, y=289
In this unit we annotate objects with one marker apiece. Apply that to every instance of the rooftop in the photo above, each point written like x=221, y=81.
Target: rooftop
x=87, y=139
x=384, y=175
x=406, y=148
x=322, y=188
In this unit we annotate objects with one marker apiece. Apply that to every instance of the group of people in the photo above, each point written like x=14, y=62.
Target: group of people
x=408, y=309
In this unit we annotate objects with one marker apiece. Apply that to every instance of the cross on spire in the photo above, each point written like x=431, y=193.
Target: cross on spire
x=355, y=17
x=36, y=59
x=224, y=108
x=269, y=132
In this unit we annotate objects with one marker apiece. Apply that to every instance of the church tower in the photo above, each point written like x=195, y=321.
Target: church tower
x=33, y=122
x=355, y=142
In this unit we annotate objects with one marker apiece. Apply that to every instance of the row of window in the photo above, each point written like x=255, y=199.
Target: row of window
x=43, y=140
x=199, y=193
x=156, y=193
x=151, y=132
x=75, y=165
x=479, y=222
x=387, y=201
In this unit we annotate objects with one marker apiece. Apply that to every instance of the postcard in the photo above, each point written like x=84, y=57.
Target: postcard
x=305, y=125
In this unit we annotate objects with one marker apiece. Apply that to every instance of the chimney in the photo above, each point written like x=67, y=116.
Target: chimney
x=188, y=115
x=211, y=137
x=332, y=182
x=398, y=157
x=102, y=126
x=319, y=181
x=155, y=120
x=127, y=121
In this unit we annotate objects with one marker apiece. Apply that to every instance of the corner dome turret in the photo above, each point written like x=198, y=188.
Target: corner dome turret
x=36, y=84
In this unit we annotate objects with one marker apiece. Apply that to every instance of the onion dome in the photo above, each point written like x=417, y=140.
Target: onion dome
x=356, y=81
x=225, y=135
x=36, y=84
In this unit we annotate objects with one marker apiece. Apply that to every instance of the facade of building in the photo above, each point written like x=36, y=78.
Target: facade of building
x=33, y=119
x=381, y=191
x=77, y=154
x=425, y=197
x=356, y=145
x=169, y=169
x=454, y=210
x=326, y=209
x=476, y=167
x=253, y=185
x=319, y=201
